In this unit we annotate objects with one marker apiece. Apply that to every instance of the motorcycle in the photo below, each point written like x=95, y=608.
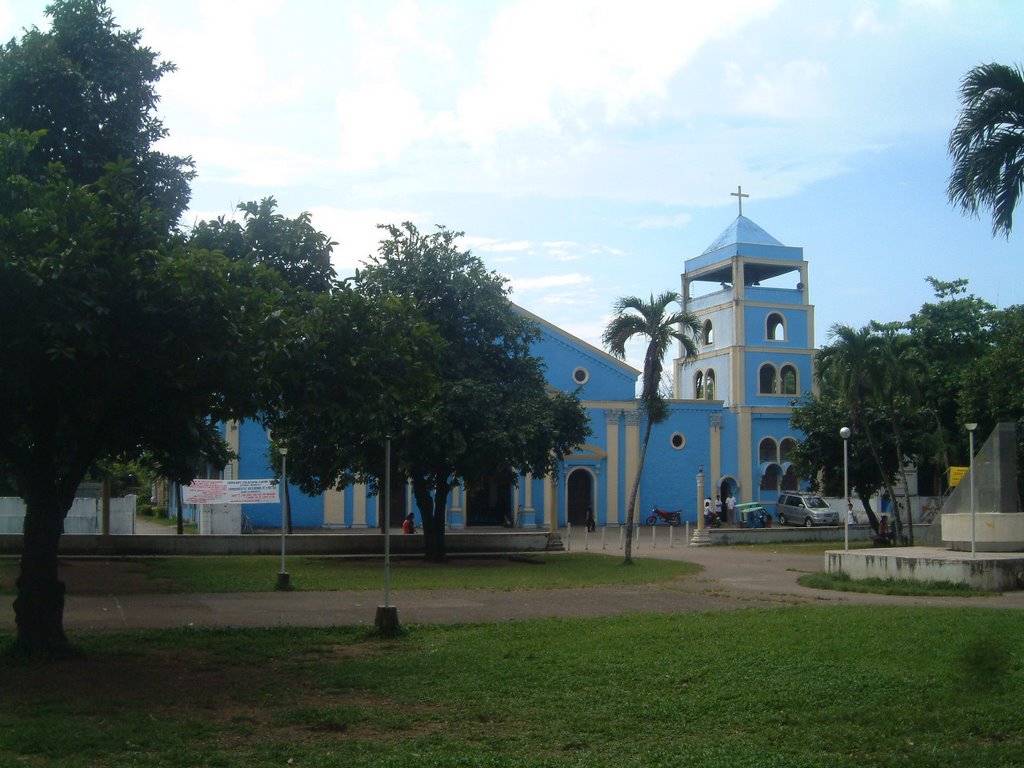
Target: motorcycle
x=669, y=516
x=712, y=520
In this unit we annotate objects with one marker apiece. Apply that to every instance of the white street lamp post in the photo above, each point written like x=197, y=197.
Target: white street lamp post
x=282, y=576
x=970, y=431
x=845, y=434
x=387, y=523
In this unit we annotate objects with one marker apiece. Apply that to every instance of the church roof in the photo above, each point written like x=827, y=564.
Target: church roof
x=742, y=230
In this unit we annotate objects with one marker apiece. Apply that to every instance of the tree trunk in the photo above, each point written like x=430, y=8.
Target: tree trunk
x=431, y=503
x=39, y=606
x=903, y=474
x=181, y=509
x=634, y=492
x=885, y=479
x=865, y=500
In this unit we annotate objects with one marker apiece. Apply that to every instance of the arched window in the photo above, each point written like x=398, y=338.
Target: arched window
x=776, y=327
x=769, y=380
x=709, y=333
x=698, y=385
x=767, y=451
x=709, y=384
x=771, y=477
x=787, y=377
x=790, y=482
x=786, y=449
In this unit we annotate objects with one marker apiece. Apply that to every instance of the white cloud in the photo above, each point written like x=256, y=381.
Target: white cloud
x=357, y=233
x=377, y=121
x=665, y=222
x=549, y=281
x=265, y=166
x=568, y=65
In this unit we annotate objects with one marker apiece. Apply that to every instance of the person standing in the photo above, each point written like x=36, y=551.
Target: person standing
x=718, y=506
x=730, y=505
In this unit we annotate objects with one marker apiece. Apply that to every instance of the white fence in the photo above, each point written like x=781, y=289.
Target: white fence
x=85, y=515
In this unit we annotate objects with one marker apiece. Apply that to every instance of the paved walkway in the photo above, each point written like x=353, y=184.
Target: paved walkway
x=733, y=578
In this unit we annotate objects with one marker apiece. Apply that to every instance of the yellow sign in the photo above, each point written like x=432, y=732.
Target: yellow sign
x=956, y=474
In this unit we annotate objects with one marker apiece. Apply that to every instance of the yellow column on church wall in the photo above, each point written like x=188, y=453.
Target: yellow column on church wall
x=715, y=425
x=231, y=438
x=633, y=453
x=612, y=503
x=359, y=505
x=550, y=503
x=334, y=509
x=738, y=385
x=748, y=488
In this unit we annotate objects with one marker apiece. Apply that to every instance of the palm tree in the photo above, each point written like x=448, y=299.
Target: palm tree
x=901, y=369
x=987, y=144
x=633, y=317
x=851, y=365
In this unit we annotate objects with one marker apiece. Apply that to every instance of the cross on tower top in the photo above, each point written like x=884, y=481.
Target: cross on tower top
x=739, y=193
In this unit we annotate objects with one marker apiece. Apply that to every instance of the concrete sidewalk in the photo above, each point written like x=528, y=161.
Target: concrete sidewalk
x=732, y=578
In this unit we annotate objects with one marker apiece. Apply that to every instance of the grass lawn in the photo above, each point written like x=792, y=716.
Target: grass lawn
x=797, y=686
x=258, y=573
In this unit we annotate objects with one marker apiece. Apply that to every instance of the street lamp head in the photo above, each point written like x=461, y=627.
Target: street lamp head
x=283, y=451
x=971, y=427
x=845, y=433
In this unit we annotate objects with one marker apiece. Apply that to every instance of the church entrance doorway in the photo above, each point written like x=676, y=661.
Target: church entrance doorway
x=728, y=488
x=579, y=496
x=489, y=503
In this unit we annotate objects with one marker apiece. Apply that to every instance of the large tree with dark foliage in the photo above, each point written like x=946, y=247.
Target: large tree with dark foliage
x=117, y=335
x=460, y=396
x=91, y=86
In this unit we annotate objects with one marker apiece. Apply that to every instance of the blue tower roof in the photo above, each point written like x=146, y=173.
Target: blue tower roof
x=742, y=230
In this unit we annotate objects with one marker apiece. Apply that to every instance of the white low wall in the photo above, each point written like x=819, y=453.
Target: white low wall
x=220, y=519
x=84, y=517
x=994, y=572
x=993, y=531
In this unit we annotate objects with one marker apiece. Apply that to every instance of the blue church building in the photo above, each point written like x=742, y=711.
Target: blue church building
x=728, y=430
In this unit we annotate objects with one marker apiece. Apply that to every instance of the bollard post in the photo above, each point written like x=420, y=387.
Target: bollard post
x=622, y=537
x=604, y=530
x=568, y=536
x=687, y=533
x=671, y=531
x=586, y=541
x=654, y=537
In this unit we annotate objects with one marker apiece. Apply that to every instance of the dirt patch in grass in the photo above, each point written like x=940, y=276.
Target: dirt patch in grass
x=95, y=576
x=243, y=702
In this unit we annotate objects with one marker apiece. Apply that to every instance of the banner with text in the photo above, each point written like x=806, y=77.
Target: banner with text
x=231, y=492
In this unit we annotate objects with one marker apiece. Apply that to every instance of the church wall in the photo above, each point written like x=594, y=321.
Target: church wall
x=606, y=378
x=756, y=318
x=254, y=462
x=779, y=297
x=777, y=427
x=803, y=363
x=729, y=439
x=669, y=478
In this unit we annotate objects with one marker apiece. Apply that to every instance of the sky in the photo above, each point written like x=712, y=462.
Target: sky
x=587, y=149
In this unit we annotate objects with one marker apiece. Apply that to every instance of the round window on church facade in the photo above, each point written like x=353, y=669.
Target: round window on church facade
x=581, y=375
x=677, y=441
